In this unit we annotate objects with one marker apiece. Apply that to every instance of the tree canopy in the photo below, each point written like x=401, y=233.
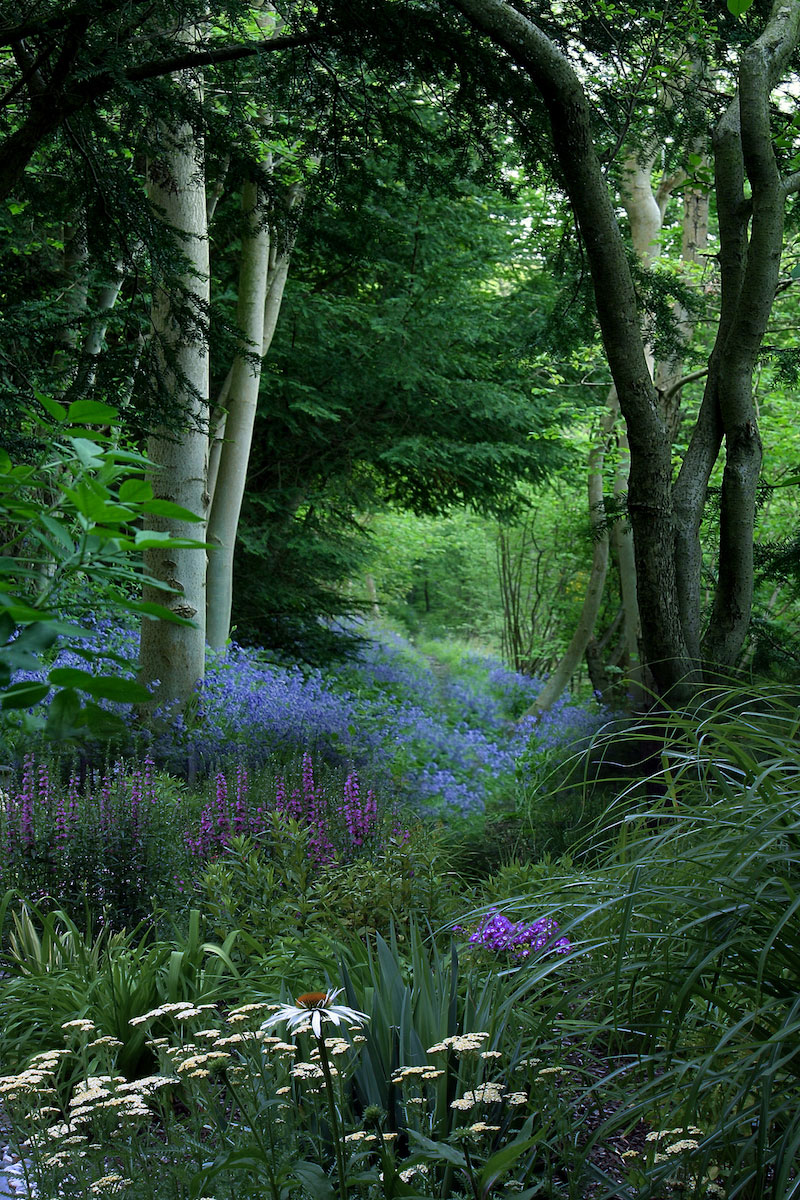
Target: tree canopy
x=435, y=189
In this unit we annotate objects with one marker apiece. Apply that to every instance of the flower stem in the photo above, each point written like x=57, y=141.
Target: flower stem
x=334, y=1119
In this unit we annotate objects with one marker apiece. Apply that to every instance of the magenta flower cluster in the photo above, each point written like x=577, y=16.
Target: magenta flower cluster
x=88, y=835
x=519, y=940
x=339, y=826
x=42, y=811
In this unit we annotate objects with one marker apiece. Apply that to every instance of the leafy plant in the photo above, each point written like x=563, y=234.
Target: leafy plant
x=56, y=973
x=70, y=516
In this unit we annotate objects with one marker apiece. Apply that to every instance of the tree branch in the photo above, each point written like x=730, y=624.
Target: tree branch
x=668, y=393
x=207, y=58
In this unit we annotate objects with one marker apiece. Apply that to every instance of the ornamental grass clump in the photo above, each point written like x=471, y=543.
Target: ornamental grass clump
x=690, y=941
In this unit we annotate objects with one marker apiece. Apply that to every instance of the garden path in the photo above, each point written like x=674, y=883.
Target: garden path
x=12, y=1175
x=12, y=1178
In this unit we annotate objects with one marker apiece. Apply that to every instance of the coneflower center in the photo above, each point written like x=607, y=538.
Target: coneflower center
x=312, y=999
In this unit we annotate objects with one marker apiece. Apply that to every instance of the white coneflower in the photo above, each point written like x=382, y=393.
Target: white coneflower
x=308, y=1012
x=311, y=1009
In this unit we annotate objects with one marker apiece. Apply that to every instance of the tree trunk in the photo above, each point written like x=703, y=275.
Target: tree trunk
x=572, y=657
x=264, y=269
x=665, y=534
x=744, y=148
x=95, y=336
x=241, y=405
x=170, y=653
x=645, y=217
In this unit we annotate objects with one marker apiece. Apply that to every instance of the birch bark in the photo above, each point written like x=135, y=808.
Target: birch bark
x=174, y=655
x=262, y=280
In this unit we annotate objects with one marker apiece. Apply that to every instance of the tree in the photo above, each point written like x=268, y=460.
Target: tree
x=666, y=519
x=385, y=388
x=58, y=62
x=174, y=654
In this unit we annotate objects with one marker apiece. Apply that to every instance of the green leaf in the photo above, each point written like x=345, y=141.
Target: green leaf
x=87, y=451
x=91, y=412
x=70, y=677
x=102, y=723
x=63, y=715
x=499, y=1163
x=39, y=636
x=148, y=539
x=102, y=687
x=157, y=612
x=739, y=7
x=24, y=695
x=313, y=1179
x=135, y=491
x=60, y=532
x=55, y=409
x=111, y=687
x=166, y=508
x=438, y=1150
x=20, y=612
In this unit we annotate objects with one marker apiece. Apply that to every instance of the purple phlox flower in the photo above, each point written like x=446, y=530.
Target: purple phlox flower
x=521, y=939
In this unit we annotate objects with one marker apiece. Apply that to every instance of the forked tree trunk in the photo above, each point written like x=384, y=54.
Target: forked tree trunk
x=175, y=654
x=751, y=236
x=241, y=405
x=262, y=280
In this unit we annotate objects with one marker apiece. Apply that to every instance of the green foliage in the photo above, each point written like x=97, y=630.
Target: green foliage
x=72, y=542
x=410, y=1010
x=56, y=973
x=690, y=946
x=264, y=886
x=401, y=376
x=270, y=889
x=104, y=845
x=409, y=881
x=563, y=790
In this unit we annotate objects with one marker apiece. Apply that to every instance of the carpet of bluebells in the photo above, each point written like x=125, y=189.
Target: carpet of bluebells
x=440, y=740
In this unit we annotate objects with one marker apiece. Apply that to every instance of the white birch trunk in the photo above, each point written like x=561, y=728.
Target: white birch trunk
x=242, y=400
x=170, y=653
x=263, y=273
